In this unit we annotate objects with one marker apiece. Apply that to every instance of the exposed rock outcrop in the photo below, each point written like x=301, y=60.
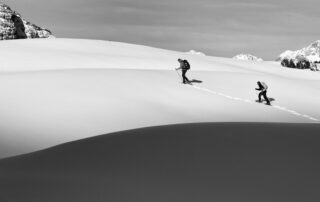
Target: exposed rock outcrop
x=305, y=58
x=14, y=26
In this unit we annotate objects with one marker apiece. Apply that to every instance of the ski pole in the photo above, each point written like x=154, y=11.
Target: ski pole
x=178, y=73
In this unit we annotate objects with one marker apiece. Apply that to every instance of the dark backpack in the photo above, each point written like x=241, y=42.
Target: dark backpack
x=186, y=65
x=264, y=85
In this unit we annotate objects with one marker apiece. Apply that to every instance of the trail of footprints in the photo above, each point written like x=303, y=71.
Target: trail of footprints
x=250, y=101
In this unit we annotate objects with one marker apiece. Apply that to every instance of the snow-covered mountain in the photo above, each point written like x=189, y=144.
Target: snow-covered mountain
x=248, y=57
x=193, y=52
x=14, y=26
x=310, y=53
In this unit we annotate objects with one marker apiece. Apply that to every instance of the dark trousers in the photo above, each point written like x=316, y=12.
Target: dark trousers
x=264, y=94
x=185, y=79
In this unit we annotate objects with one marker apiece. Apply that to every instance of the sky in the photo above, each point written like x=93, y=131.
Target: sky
x=264, y=28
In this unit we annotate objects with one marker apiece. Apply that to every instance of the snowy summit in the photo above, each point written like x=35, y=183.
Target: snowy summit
x=193, y=52
x=92, y=94
x=247, y=57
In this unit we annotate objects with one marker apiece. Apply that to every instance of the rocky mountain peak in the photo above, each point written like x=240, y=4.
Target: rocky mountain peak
x=14, y=26
x=310, y=53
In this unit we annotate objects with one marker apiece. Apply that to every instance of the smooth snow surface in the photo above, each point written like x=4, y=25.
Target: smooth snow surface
x=58, y=90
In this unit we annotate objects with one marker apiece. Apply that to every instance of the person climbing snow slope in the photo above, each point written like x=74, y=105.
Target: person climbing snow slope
x=262, y=87
x=184, y=66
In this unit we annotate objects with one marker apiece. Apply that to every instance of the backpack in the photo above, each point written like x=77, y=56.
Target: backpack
x=264, y=85
x=186, y=64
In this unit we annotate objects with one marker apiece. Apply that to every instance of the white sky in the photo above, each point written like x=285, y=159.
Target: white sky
x=264, y=28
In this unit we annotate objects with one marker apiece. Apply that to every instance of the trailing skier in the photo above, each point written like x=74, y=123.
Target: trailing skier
x=263, y=92
x=184, y=66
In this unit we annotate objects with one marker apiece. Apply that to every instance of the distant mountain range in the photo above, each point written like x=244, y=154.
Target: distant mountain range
x=193, y=52
x=14, y=26
x=248, y=57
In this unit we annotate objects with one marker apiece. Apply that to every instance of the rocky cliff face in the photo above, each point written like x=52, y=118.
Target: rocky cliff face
x=310, y=53
x=14, y=26
x=305, y=58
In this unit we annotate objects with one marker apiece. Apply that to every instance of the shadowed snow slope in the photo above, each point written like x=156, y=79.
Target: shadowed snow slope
x=58, y=90
x=192, y=162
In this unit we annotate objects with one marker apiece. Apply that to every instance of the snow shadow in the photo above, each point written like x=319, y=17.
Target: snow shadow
x=195, y=81
x=189, y=162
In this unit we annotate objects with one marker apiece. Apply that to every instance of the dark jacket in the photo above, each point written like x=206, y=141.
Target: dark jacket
x=184, y=65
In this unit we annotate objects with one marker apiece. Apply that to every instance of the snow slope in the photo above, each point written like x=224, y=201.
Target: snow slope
x=58, y=90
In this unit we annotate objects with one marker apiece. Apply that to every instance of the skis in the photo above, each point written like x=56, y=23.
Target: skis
x=268, y=104
x=188, y=83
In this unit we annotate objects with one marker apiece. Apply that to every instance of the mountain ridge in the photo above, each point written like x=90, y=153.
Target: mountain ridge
x=310, y=52
x=14, y=26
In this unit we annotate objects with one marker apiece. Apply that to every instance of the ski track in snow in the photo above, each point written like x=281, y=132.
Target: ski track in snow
x=251, y=102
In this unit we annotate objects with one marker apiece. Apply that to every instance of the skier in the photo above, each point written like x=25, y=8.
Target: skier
x=263, y=92
x=184, y=66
